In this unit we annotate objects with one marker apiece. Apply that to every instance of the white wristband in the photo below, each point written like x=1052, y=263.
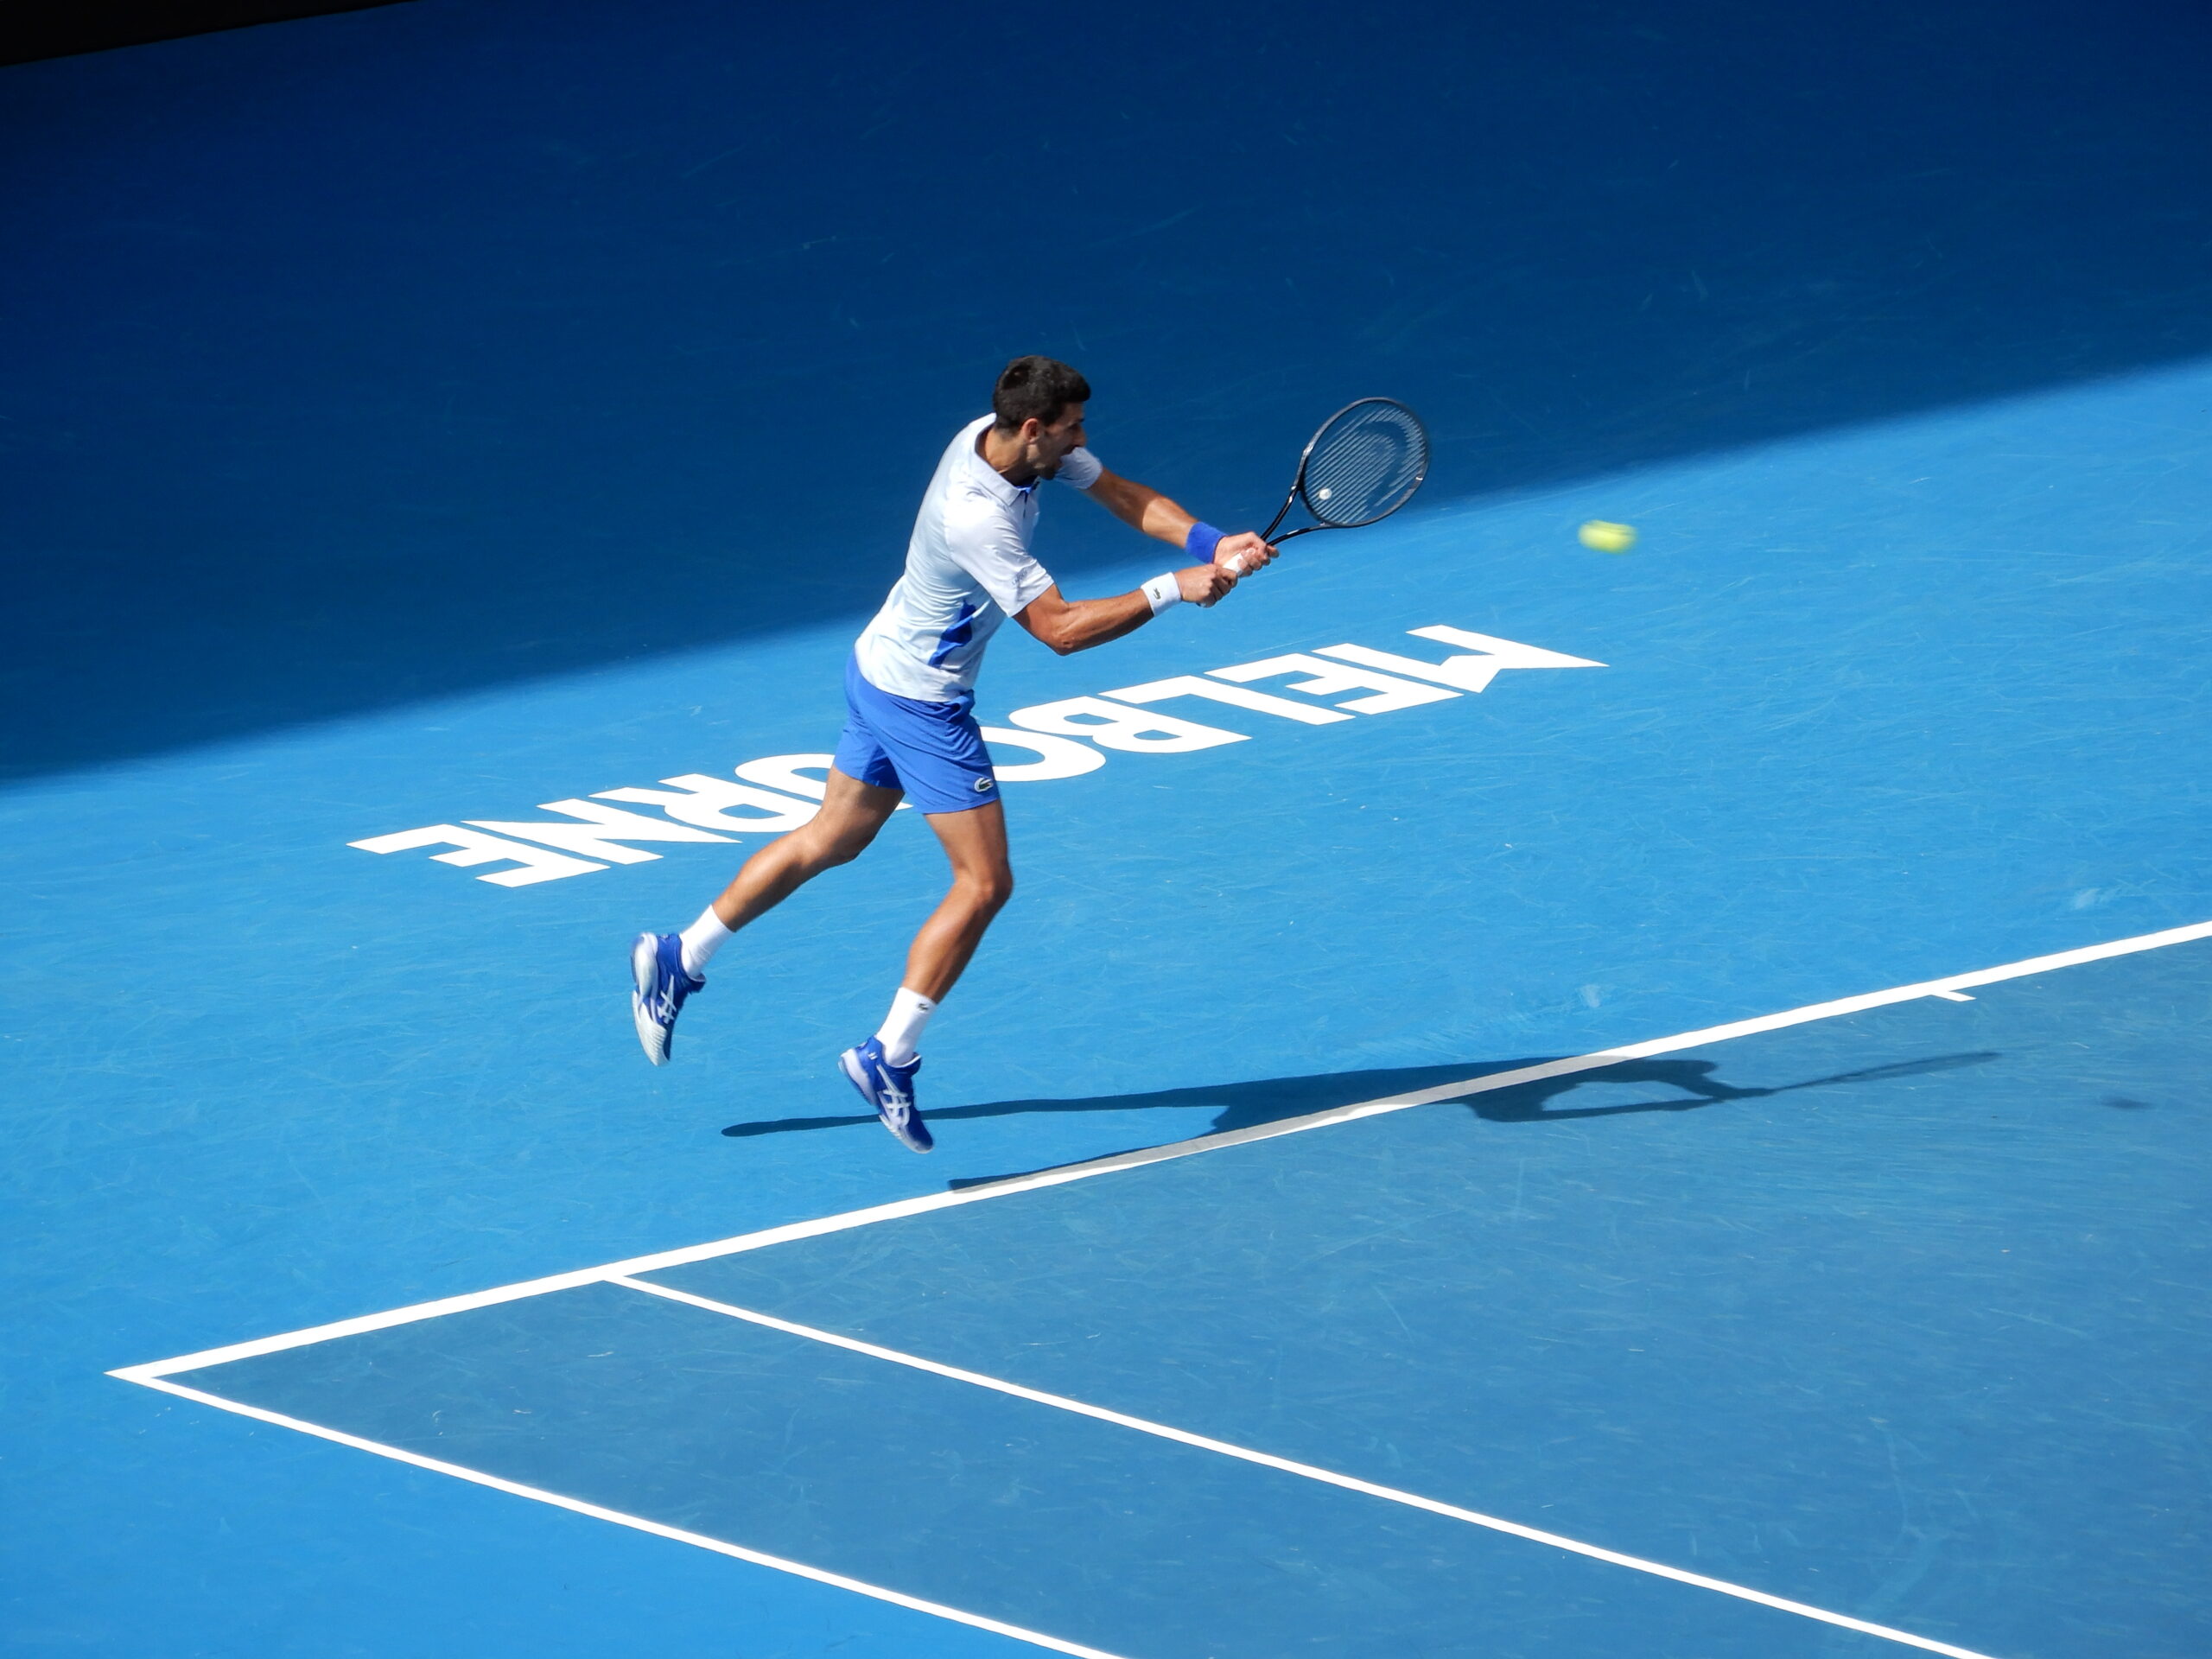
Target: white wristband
x=1163, y=590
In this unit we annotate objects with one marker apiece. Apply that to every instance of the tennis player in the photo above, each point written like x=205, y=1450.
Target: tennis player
x=910, y=698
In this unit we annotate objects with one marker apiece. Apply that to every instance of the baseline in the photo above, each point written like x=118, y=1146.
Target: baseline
x=1948, y=988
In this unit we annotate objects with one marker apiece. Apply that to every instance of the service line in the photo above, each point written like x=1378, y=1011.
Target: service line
x=1309, y=1471
x=1947, y=987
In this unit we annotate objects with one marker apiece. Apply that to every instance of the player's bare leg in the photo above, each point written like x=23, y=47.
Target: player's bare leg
x=883, y=1067
x=982, y=880
x=852, y=813
x=665, y=969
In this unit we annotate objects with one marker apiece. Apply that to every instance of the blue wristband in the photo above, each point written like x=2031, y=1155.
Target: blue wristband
x=1201, y=542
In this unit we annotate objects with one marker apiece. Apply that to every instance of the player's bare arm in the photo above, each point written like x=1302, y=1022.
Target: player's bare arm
x=1071, y=625
x=1141, y=507
x=1068, y=626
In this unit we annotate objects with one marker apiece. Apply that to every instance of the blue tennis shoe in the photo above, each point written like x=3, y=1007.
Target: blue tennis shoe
x=890, y=1090
x=656, y=966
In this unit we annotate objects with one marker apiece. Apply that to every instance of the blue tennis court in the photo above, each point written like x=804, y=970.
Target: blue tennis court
x=1528, y=1101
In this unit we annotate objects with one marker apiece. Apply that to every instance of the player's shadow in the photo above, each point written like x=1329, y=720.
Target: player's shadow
x=1692, y=1084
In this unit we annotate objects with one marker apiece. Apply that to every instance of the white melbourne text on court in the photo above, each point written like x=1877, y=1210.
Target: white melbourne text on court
x=1072, y=736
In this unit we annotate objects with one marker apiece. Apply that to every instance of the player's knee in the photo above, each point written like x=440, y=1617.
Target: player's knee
x=988, y=890
x=844, y=851
x=826, y=849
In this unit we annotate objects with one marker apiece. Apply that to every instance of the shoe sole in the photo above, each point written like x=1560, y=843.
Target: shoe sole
x=858, y=1079
x=653, y=1037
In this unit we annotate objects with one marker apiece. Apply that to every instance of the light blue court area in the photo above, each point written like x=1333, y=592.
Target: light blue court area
x=1914, y=1338
x=452, y=449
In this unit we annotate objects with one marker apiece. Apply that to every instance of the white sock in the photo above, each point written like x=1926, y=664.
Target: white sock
x=902, y=1026
x=701, y=940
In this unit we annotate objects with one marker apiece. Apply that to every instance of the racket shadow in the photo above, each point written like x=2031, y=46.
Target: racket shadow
x=1245, y=1105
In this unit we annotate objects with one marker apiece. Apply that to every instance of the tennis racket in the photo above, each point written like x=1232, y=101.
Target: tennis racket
x=1365, y=463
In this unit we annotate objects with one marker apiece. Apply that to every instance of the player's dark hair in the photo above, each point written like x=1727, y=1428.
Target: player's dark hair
x=1036, y=388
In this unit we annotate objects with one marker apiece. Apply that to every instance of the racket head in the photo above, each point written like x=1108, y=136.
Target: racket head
x=1365, y=463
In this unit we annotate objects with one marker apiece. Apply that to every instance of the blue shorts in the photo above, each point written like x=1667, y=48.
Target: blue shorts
x=934, y=751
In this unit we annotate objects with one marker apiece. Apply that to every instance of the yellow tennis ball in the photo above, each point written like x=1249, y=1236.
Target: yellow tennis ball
x=1601, y=537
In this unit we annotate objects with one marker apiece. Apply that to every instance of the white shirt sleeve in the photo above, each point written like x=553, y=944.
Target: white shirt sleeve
x=982, y=541
x=1079, y=467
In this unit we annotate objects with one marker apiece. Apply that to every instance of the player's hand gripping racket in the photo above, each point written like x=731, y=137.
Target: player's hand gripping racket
x=1365, y=463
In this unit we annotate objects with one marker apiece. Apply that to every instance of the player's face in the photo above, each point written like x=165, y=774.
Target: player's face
x=1043, y=452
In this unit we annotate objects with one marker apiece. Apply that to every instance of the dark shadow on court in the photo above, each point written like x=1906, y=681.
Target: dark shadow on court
x=1692, y=1085
x=432, y=348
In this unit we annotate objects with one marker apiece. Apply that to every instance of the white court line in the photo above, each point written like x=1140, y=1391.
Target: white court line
x=154, y=1375
x=1145, y=1425
x=598, y=1513
x=930, y=1201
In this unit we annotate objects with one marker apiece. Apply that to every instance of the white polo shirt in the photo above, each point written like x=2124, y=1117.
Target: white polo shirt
x=969, y=567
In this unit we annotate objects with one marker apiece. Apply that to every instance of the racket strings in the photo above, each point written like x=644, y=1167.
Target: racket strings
x=1365, y=463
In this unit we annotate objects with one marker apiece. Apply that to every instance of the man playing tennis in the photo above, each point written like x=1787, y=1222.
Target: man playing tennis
x=911, y=728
